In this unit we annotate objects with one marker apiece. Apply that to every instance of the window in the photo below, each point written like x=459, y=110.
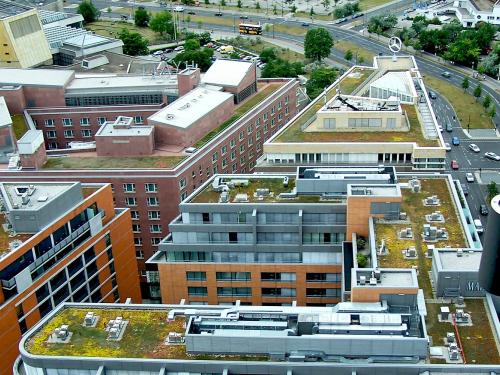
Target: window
x=242, y=159
x=154, y=215
x=50, y=123
x=287, y=99
x=227, y=291
x=67, y=122
x=242, y=148
x=155, y=241
x=250, y=129
x=233, y=155
x=84, y=121
x=151, y=187
x=329, y=123
x=364, y=123
x=68, y=134
x=197, y=290
x=138, y=120
x=139, y=254
x=323, y=277
x=152, y=201
x=233, y=276
x=136, y=228
x=273, y=110
x=242, y=135
x=182, y=182
x=137, y=241
x=391, y=123
x=131, y=201
x=250, y=141
x=272, y=123
x=234, y=168
x=129, y=188
x=224, y=163
x=86, y=133
x=214, y=157
x=287, y=111
x=232, y=143
x=51, y=134
x=280, y=105
x=258, y=135
x=196, y=276
x=134, y=215
x=266, y=128
x=266, y=116
x=101, y=120
x=258, y=147
x=184, y=195
x=223, y=150
x=257, y=123
x=280, y=117
x=278, y=276
x=155, y=228
x=278, y=292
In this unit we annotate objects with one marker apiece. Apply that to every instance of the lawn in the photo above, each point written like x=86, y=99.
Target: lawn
x=345, y=45
x=368, y=4
x=416, y=211
x=5, y=239
x=477, y=340
x=464, y=104
x=295, y=134
x=144, y=336
x=105, y=162
x=19, y=126
x=113, y=28
x=241, y=110
x=257, y=47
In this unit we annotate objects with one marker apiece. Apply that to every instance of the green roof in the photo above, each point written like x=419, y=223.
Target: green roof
x=108, y=162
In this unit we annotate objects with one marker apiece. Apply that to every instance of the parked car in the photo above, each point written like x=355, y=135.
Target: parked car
x=432, y=95
x=483, y=210
x=449, y=127
x=469, y=177
x=179, y=49
x=158, y=53
x=243, y=17
x=465, y=189
x=474, y=147
x=440, y=128
x=454, y=164
x=492, y=156
x=305, y=24
x=447, y=146
x=446, y=74
x=178, y=8
x=218, y=14
x=455, y=141
x=191, y=12
x=479, y=226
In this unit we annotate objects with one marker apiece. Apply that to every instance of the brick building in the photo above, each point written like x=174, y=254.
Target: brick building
x=60, y=241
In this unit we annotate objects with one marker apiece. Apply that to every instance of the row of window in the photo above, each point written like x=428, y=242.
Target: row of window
x=84, y=121
x=265, y=292
x=312, y=257
x=264, y=276
x=149, y=187
x=150, y=201
x=154, y=241
x=153, y=228
x=86, y=133
x=152, y=215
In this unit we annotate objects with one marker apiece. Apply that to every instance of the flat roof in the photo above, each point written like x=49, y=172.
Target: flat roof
x=349, y=103
x=100, y=82
x=114, y=129
x=371, y=190
x=5, y=118
x=226, y=72
x=9, y=9
x=39, y=193
x=35, y=77
x=467, y=261
x=189, y=108
x=402, y=278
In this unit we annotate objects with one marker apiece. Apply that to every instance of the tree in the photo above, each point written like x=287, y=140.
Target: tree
x=222, y=3
x=492, y=190
x=320, y=79
x=465, y=83
x=492, y=112
x=348, y=55
x=346, y=10
x=267, y=55
x=326, y=3
x=201, y=57
x=382, y=23
x=234, y=55
x=275, y=11
x=141, y=17
x=463, y=51
x=162, y=24
x=207, y=2
x=257, y=6
x=239, y=4
x=199, y=24
x=362, y=260
x=477, y=92
x=192, y=45
x=133, y=43
x=486, y=102
x=318, y=44
x=109, y=10
x=279, y=68
x=293, y=8
x=311, y=12
x=361, y=60
x=88, y=11
x=188, y=19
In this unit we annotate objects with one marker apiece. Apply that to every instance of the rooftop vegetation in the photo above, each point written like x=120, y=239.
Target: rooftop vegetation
x=19, y=126
x=6, y=239
x=108, y=162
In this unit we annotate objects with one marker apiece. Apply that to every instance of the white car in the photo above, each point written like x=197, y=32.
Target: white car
x=179, y=49
x=474, y=147
x=492, y=156
x=158, y=53
x=178, y=8
x=469, y=177
x=479, y=226
x=447, y=146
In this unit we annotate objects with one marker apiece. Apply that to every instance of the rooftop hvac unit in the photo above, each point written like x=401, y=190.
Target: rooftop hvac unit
x=373, y=281
x=285, y=181
x=362, y=280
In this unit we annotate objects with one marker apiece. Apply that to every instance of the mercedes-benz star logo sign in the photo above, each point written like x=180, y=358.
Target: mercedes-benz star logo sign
x=395, y=44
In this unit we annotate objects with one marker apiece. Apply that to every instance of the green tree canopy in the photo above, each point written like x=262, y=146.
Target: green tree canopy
x=162, y=24
x=279, y=68
x=133, y=43
x=382, y=23
x=348, y=55
x=268, y=54
x=318, y=44
x=200, y=56
x=492, y=189
x=463, y=51
x=320, y=78
x=486, y=102
x=465, y=83
x=346, y=10
x=478, y=91
x=191, y=45
x=88, y=11
x=141, y=17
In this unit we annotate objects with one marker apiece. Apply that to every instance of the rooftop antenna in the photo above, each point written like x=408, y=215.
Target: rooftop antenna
x=395, y=45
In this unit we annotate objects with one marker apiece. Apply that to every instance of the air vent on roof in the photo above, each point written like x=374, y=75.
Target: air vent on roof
x=170, y=116
x=42, y=198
